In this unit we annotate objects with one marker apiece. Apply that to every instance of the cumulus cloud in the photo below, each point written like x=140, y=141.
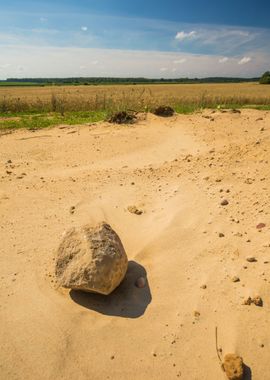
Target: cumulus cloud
x=181, y=36
x=84, y=28
x=244, y=60
x=163, y=69
x=179, y=61
x=223, y=60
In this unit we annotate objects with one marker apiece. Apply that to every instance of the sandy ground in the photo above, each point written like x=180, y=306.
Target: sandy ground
x=177, y=170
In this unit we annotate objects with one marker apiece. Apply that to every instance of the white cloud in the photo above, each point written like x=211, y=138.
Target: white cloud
x=96, y=62
x=4, y=66
x=41, y=61
x=244, y=60
x=223, y=60
x=181, y=36
x=179, y=61
x=84, y=28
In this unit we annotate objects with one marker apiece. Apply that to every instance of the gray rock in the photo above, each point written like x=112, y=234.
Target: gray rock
x=92, y=259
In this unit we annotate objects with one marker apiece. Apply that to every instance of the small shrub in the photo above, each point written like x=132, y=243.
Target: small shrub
x=164, y=111
x=122, y=117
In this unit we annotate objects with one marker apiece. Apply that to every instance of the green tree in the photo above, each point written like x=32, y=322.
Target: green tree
x=265, y=79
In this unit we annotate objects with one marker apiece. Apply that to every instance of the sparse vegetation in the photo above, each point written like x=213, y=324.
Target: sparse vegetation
x=26, y=107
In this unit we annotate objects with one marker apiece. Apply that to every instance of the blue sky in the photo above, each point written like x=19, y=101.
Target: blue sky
x=139, y=38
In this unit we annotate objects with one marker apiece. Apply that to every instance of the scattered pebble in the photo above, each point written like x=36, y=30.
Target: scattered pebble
x=260, y=226
x=140, y=282
x=203, y=286
x=256, y=301
x=72, y=209
x=221, y=235
x=134, y=210
x=251, y=259
x=224, y=202
x=235, y=279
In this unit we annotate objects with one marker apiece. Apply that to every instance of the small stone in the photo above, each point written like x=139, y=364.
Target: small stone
x=235, y=279
x=233, y=366
x=221, y=235
x=224, y=202
x=251, y=259
x=134, y=210
x=258, y=301
x=260, y=226
x=140, y=282
x=203, y=286
x=72, y=209
x=248, y=301
x=196, y=314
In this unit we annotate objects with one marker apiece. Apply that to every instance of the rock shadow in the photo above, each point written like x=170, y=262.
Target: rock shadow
x=126, y=301
x=247, y=373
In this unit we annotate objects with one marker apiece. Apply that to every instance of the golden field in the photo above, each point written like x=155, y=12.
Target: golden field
x=79, y=98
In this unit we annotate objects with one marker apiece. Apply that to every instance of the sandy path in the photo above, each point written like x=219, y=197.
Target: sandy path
x=177, y=170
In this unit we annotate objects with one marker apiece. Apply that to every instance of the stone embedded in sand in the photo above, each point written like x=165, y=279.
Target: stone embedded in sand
x=235, y=279
x=233, y=366
x=224, y=202
x=260, y=226
x=134, y=210
x=251, y=259
x=140, y=282
x=92, y=259
x=256, y=301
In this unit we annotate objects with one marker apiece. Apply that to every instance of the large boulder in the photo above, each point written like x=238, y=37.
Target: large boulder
x=91, y=258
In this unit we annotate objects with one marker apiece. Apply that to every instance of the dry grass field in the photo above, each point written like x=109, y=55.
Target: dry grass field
x=138, y=97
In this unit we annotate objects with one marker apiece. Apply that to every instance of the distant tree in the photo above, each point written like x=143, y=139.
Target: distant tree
x=265, y=79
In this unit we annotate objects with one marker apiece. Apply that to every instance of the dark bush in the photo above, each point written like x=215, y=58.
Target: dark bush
x=122, y=117
x=164, y=111
x=265, y=79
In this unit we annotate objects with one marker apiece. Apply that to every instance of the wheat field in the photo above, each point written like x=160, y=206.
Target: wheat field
x=138, y=97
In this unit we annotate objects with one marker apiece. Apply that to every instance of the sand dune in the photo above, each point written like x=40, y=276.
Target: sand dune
x=177, y=171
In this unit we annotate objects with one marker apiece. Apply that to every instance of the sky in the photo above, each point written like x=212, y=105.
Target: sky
x=139, y=38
